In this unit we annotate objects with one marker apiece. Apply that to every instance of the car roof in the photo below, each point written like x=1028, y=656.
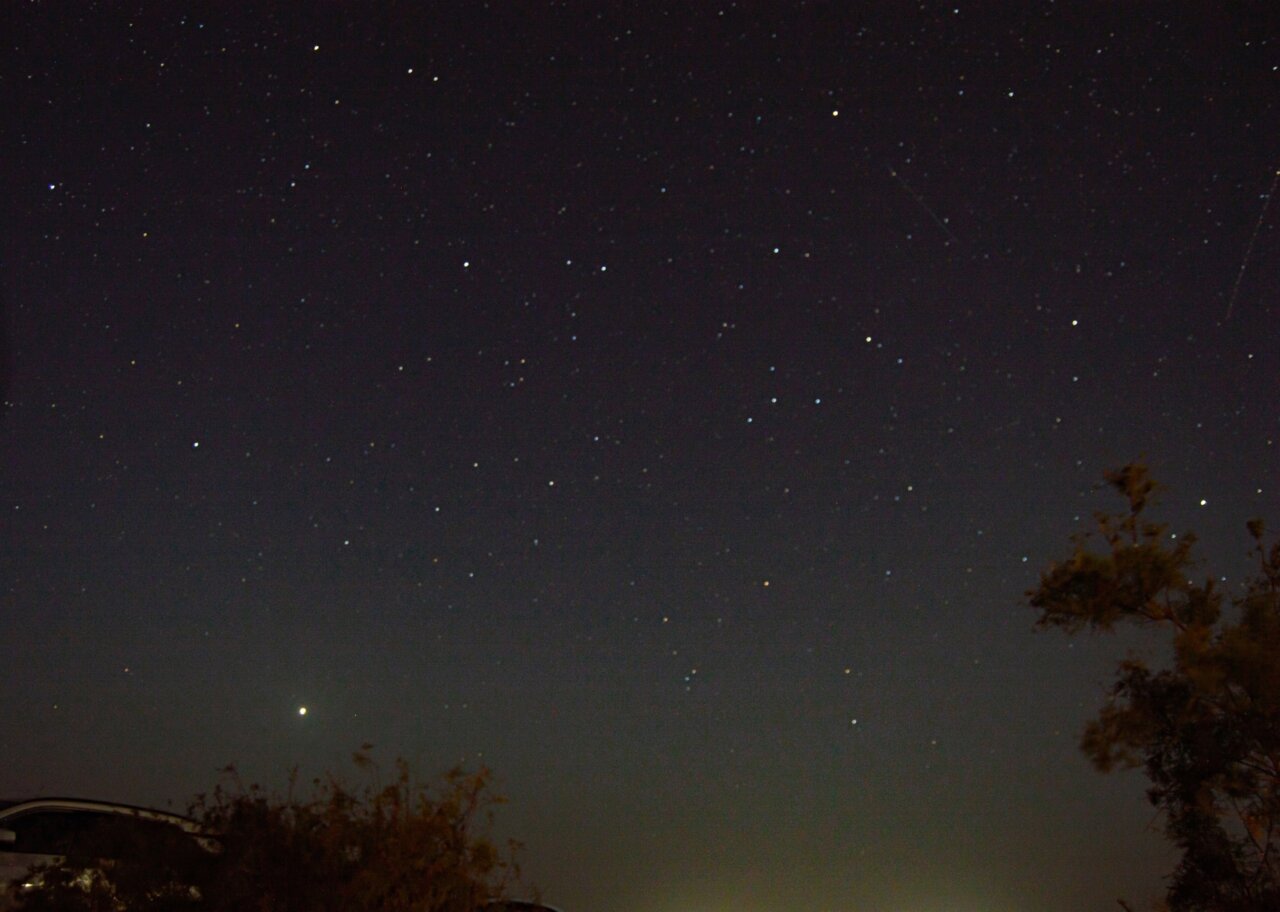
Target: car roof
x=12, y=808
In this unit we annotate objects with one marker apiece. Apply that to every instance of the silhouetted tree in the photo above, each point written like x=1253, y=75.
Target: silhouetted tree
x=1205, y=725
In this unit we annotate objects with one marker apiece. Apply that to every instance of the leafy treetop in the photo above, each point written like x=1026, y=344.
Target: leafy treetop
x=1206, y=727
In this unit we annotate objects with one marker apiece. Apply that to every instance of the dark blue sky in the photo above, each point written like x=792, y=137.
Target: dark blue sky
x=666, y=407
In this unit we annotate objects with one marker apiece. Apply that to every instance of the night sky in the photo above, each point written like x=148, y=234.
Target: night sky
x=665, y=407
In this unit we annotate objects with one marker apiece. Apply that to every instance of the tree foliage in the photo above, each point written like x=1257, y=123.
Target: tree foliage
x=395, y=847
x=1205, y=725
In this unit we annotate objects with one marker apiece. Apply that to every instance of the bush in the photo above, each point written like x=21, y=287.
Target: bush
x=398, y=847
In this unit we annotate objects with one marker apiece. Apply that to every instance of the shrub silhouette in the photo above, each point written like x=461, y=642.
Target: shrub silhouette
x=402, y=846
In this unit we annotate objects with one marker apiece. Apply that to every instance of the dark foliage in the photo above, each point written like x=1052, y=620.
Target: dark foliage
x=1205, y=727
x=398, y=847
